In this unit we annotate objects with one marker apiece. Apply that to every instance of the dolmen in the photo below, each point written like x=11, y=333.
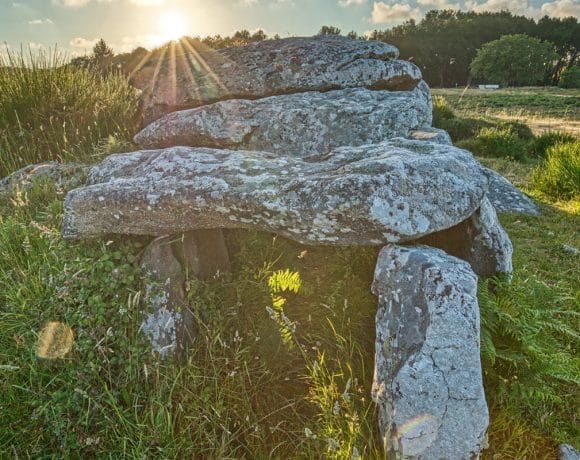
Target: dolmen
x=326, y=141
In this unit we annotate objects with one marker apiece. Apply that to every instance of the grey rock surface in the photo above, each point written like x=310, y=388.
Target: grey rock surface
x=190, y=75
x=298, y=124
x=428, y=134
x=168, y=324
x=393, y=191
x=63, y=175
x=567, y=452
x=506, y=198
x=479, y=240
x=428, y=381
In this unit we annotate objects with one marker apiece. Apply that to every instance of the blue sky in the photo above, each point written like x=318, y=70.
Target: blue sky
x=74, y=25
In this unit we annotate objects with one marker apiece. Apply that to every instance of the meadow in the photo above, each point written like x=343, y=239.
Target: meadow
x=542, y=108
x=256, y=383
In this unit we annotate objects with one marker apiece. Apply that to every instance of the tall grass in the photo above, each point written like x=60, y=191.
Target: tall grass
x=559, y=175
x=50, y=110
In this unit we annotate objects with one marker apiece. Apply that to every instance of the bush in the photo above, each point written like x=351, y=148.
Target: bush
x=543, y=142
x=441, y=111
x=522, y=130
x=559, y=175
x=570, y=78
x=50, y=110
x=463, y=128
x=496, y=142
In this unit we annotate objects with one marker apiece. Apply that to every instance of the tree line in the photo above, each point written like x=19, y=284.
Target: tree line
x=445, y=42
x=450, y=47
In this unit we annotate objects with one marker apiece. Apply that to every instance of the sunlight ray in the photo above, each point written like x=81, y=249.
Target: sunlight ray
x=187, y=67
x=206, y=67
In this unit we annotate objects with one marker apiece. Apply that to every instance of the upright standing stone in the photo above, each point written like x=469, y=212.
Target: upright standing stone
x=428, y=381
x=169, y=323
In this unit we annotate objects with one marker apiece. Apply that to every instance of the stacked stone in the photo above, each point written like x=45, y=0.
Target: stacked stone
x=323, y=140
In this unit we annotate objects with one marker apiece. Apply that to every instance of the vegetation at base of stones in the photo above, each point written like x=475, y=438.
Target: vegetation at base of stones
x=496, y=142
x=513, y=60
x=570, y=78
x=444, y=42
x=241, y=391
x=559, y=175
x=53, y=111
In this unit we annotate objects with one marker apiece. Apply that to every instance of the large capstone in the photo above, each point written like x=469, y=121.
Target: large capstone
x=398, y=190
x=297, y=124
x=188, y=74
x=428, y=381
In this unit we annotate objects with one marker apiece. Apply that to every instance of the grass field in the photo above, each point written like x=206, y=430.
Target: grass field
x=253, y=386
x=543, y=109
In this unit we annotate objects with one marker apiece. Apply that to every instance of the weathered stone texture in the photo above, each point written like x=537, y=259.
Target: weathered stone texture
x=168, y=323
x=190, y=75
x=428, y=381
x=397, y=190
x=506, y=198
x=298, y=124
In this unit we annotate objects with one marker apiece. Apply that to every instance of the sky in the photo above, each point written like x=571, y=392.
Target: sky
x=75, y=25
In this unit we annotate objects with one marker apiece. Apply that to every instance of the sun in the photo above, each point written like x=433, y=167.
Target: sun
x=172, y=26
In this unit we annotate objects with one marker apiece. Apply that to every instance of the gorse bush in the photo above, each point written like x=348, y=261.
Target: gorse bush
x=496, y=142
x=463, y=128
x=540, y=144
x=559, y=175
x=50, y=110
x=441, y=111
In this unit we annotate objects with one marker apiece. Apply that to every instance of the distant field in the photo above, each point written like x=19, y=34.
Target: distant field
x=542, y=108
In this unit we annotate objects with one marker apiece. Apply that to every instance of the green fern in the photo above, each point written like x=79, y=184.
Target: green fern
x=529, y=346
x=281, y=283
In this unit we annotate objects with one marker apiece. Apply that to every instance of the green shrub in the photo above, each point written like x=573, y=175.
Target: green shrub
x=539, y=146
x=463, y=128
x=496, y=142
x=559, y=175
x=570, y=78
x=441, y=111
x=50, y=110
x=522, y=130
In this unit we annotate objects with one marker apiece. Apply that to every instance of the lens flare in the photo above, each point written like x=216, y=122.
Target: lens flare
x=417, y=434
x=55, y=341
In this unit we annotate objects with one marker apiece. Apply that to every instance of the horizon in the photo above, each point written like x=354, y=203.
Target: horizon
x=74, y=26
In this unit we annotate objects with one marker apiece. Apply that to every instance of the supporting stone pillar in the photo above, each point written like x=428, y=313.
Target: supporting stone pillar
x=165, y=263
x=428, y=380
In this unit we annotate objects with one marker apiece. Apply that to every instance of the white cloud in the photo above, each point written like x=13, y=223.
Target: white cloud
x=71, y=3
x=37, y=22
x=562, y=8
x=78, y=3
x=249, y=2
x=80, y=42
x=396, y=12
x=346, y=3
x=519, y=7
x=35, y=46
x=147, y=2
x=129, y=43
x=439, y=4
